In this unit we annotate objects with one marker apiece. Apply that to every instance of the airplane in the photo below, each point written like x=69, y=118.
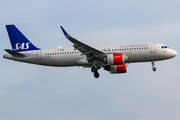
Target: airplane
x=112, y=58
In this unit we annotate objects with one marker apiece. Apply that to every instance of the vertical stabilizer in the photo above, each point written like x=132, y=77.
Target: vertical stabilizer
x=18, y=41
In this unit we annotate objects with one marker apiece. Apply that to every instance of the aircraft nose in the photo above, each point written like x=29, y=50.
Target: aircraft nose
x=173, y=53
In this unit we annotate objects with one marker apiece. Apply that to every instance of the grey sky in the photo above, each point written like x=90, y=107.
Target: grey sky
x=37, y=92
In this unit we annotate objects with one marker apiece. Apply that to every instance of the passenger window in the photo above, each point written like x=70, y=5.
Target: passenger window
x=52, y=53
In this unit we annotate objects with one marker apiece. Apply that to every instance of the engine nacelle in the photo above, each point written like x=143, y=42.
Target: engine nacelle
x=115, y=59
x=119, y=68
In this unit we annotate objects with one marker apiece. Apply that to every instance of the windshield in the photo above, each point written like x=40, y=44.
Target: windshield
x=164, y=47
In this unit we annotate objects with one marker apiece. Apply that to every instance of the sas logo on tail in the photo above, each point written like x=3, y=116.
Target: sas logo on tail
x=22, y=46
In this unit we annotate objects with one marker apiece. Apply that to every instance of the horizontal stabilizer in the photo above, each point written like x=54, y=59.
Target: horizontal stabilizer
x=15, y=54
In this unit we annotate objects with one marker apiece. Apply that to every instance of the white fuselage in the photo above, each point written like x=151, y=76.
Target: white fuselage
x=69, y=57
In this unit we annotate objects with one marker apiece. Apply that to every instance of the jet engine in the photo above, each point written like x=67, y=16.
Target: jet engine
x=116, y=68
x=115, y=59
x=119, y=68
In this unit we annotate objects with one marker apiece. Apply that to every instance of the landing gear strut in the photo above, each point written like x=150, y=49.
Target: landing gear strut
x=153, y=65
x=94, y=69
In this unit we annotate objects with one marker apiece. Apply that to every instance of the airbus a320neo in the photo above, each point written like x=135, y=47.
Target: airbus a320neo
x=112, y=58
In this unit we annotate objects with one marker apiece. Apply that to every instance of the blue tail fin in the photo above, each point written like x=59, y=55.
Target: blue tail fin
x=18, y=41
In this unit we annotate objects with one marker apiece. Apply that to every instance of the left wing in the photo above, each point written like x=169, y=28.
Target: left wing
x=90, y=52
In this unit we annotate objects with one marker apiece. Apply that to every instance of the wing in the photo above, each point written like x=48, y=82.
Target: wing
x=87, y=50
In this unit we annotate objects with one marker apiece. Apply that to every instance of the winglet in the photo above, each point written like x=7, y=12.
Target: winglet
x=65, y=33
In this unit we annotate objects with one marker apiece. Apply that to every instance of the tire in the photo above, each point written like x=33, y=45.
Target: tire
x=96, y=75
x=154, y=69
x=94, y=69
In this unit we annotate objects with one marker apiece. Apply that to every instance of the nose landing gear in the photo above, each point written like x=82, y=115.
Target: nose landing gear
x=94, y=69
x=153, y=65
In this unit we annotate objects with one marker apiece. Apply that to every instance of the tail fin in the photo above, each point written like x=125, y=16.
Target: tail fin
x=18, y=41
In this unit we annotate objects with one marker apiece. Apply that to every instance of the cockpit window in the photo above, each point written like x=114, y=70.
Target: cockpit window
x=164, y=47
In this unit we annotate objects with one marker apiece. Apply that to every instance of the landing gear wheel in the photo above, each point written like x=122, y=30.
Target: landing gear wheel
x=153, y=65
x=94, y=69
x=154, y=69
x=96, y=74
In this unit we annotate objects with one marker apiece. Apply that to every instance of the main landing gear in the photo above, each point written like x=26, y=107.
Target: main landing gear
x=94, y=69
x=153, y=65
